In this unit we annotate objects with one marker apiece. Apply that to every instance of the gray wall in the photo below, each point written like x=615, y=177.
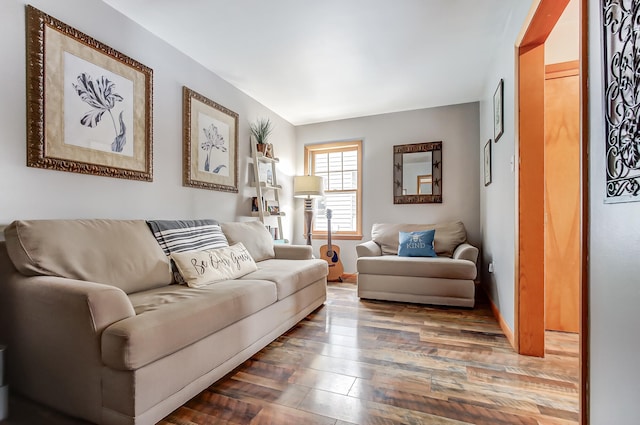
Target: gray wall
x=34, y=193
x=456, y=126
x=497, y=201
x=614, y=272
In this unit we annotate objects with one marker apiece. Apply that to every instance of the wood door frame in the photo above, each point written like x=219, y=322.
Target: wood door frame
x=529, y=240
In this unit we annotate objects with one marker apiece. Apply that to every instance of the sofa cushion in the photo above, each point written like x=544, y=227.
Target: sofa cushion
x=200, y=268
x=392, y=265
x=253, y=235
x=448, y=236
x=290, y=276
x=170, y=318
x=187, y=235
x=122, y=253
x=416, y=244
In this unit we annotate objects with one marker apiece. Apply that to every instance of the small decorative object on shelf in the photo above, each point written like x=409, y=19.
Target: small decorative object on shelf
x=273, y=231
x=275, y=234
x=255, y=207
x=269, y=177
x=268, y=151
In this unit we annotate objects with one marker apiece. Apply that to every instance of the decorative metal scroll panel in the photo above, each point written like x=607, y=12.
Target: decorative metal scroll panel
x=621, y=30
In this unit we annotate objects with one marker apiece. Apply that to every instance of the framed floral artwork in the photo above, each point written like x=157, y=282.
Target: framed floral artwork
x=89, y=107
x=210, y=143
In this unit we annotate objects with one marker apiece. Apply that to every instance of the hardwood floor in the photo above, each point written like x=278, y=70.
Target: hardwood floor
x=368, y=362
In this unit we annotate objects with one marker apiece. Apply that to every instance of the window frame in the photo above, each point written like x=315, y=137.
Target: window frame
x=309, y=151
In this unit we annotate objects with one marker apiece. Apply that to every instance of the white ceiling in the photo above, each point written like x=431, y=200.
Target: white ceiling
x=313, y=61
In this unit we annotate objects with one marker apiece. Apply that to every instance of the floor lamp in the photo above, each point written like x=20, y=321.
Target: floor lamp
x=308, y=187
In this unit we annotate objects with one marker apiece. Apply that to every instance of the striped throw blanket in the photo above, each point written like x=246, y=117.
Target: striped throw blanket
x=187, y=235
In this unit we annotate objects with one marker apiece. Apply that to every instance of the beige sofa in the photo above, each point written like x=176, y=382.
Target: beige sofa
x=96, y=329
x=447, y=279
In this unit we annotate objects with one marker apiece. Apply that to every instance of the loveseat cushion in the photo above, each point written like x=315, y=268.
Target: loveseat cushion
x=416, y=244
x=170, y=318
x=121, y=253
x=290, y=276
x=448, y=236
x=392, y=265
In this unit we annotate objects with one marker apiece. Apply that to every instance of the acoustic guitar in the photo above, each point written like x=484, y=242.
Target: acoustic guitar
x=331, y=254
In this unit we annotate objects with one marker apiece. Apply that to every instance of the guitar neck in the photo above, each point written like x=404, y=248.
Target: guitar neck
x=329, y=214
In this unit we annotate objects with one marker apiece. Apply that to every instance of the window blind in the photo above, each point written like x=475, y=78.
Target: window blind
x=340, y=172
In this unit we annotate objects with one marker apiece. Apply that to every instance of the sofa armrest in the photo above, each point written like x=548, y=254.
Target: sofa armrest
x=368, y=249
x=64, y=306
x=293, y=252
x=53, y=327
x=466, y=251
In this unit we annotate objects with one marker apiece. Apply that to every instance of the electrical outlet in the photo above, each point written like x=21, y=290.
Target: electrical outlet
x=491, y=267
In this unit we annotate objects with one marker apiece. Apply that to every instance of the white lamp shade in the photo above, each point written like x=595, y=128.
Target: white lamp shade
x=308, y=187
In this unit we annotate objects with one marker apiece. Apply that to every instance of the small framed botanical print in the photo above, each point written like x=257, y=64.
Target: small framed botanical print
x=487, y=163
x=498, y=111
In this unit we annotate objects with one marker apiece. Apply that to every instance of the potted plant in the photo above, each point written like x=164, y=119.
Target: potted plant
x=261, y=130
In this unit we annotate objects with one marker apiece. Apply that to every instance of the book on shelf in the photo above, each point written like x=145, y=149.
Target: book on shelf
x=254, y=204
x=272, y=207
x=269, y=206
x=274, y=232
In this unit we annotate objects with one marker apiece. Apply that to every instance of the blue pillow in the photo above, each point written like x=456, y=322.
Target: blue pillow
x=417, y=244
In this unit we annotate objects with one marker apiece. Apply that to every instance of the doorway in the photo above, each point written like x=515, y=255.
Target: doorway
x=530, y=324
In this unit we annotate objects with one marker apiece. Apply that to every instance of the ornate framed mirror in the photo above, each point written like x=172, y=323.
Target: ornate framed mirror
x=417, y=173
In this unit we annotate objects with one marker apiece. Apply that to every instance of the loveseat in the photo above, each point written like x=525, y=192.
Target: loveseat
x=447, y=278
x=97, y=327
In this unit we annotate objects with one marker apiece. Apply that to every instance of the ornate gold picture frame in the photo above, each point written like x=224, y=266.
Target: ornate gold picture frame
x=89, y=107
x=210, y=143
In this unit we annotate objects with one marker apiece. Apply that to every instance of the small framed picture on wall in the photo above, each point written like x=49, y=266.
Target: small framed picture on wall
x=487, y=163
x=498, y=111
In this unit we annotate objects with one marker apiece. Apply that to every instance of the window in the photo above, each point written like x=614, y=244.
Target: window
x=340, y=164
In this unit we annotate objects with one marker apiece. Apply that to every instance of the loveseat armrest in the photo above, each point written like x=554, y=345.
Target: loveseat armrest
x=466, y=251
x=293, y=252
x=368, y=249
